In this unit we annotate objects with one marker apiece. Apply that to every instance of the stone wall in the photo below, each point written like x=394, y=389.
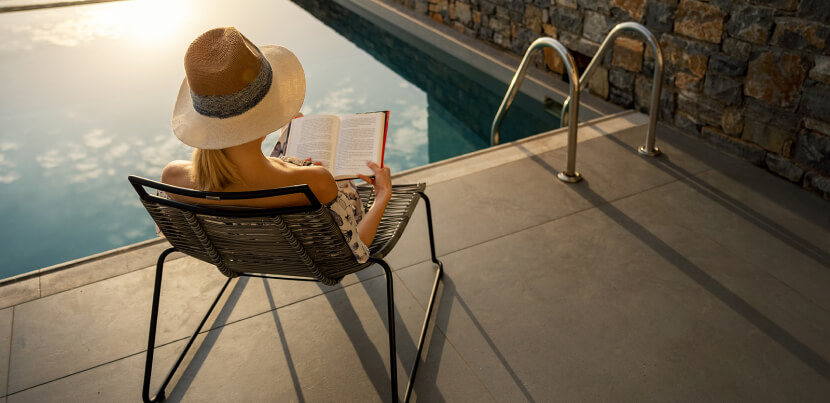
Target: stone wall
x=751, y=77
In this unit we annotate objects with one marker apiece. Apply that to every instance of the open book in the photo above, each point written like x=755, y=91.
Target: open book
x=343, y=143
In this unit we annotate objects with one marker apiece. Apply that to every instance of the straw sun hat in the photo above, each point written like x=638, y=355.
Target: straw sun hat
x=234, y=92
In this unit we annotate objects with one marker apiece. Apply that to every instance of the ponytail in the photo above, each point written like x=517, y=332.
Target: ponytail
x=212, y=170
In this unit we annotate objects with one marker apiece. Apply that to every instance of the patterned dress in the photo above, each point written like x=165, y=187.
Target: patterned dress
x=346, y=210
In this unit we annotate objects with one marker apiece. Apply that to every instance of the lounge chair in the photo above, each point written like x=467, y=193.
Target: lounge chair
x=294, y=243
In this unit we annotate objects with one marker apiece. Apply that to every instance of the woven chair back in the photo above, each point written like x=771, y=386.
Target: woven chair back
x=295, y=241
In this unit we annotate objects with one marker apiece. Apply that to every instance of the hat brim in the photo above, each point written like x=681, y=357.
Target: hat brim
x=274, y=110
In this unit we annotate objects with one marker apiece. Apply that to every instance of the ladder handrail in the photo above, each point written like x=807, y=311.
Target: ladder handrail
x=569, y=175
x=657, y=82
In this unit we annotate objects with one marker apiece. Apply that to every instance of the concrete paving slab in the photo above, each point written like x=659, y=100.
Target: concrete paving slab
x=771, y=203
x=83, y=274
x=600, y=315
x=413, y=246
x=526, y=192
x=122, y=307
x=487, y=204
x=248, y=297
x=331, y=347
x=328, y=348
x=104, y=268
x=117, y=381
x=6, y=316
x=104, y=321
x=19, y=292
x=772, y=278
x=628, y=172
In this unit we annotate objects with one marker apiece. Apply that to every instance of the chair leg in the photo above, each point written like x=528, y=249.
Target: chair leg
x=438, y=274
x=148, y=367
x=431, y=234
x=390, y=306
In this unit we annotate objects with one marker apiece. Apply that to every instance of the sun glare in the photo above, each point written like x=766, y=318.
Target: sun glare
x=147, y=22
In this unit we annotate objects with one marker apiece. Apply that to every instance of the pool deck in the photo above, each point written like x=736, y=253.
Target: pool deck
x=688, y=277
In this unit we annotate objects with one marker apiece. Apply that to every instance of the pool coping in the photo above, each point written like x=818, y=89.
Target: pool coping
x=28, y=7
x=79, y=261
x=437, y=172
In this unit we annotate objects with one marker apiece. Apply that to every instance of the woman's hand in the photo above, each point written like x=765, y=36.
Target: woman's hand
x=382, y=182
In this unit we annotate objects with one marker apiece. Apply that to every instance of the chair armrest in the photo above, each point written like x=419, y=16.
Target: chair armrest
x=367, y=196
x=367, y=192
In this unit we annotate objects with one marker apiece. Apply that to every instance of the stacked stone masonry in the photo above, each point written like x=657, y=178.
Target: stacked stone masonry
x=751, y=77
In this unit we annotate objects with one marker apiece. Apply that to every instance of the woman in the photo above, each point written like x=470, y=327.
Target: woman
x=233, y=95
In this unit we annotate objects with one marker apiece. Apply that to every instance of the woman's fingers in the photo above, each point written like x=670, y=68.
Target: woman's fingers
x=374, y=167
x=377, y=169
x=382, y=181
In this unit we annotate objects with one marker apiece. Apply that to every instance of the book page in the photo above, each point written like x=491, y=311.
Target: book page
x=313, y=137
x=359, y=141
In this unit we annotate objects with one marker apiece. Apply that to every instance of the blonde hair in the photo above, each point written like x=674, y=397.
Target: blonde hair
x=212, y=170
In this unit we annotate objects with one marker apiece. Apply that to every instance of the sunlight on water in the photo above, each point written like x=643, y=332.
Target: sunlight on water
x=139, y=22
x=87, y=94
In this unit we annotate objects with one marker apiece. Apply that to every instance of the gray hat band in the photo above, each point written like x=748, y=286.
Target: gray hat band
x=225, y=106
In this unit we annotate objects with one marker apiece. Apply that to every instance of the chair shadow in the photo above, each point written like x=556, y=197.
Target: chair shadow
x=784, y=338
x=370, y=358
x=435, y=339
x=448, y=299
x=281, y=334
x=406, y=347
x=191, y=368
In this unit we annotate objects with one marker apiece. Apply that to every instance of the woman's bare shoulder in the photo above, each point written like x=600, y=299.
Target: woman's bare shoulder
x=177, y=173
x=320, y=181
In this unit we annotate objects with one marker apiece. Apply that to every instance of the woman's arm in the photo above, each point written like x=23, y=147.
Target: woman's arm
x=321, y=182
x=368, y=226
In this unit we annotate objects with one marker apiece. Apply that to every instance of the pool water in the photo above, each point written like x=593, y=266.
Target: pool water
x=87, y=94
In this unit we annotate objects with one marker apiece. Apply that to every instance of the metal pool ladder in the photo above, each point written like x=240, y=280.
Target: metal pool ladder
x=569, y=175
x=577, y=85
x=656, y=86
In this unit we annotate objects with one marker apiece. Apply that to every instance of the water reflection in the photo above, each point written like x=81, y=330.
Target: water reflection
x=88, y=93
x=87, y=97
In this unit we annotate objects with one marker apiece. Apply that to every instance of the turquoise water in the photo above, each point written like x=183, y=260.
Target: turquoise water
x=87, y=94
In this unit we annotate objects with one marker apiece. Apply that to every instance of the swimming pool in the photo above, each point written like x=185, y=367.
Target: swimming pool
x=88, y=92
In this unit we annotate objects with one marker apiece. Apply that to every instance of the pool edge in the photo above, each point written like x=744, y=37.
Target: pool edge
x=432, y=173
x=79, y=261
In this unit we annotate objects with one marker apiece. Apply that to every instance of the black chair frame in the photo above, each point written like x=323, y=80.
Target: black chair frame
x=139, y=185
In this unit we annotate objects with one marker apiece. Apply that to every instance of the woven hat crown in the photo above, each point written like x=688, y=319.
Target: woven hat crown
x=235, y=92
x=221, y=62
